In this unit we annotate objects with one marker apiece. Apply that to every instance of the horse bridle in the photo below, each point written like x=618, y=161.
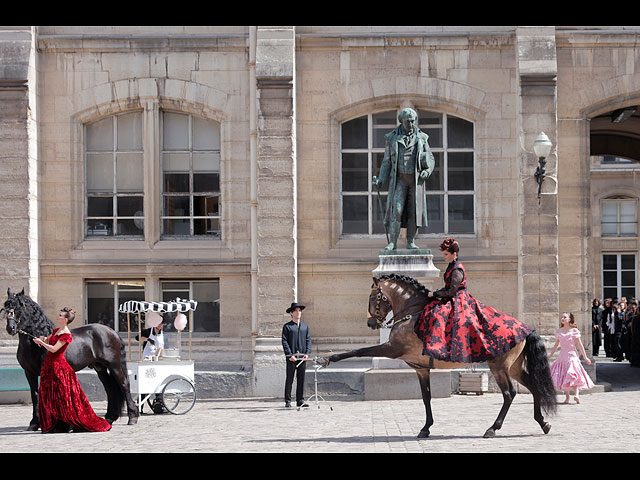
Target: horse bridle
x=383, y=300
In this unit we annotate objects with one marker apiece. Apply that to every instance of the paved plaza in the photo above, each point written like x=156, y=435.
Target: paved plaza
x=603, y=422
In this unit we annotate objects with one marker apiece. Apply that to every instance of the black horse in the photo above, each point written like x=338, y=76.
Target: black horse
x=96, y=346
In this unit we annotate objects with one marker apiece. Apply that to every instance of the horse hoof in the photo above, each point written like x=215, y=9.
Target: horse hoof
x=110, y=420
x=491, y=433
x=32, y=428
x=132, y=421
x=423, y=434
x=546, y=428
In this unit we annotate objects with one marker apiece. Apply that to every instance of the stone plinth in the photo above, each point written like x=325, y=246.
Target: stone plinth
x=414, y=263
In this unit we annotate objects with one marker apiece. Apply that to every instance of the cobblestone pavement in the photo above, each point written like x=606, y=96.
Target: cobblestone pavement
x=603, y=422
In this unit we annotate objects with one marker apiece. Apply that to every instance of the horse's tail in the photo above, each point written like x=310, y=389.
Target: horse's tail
x=538, y=369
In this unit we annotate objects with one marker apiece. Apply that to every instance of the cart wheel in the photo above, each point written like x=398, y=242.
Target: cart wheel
x=179, y=396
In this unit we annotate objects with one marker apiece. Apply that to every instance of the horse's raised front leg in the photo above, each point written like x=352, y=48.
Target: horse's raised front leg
x=383, y=350
x=425, y=388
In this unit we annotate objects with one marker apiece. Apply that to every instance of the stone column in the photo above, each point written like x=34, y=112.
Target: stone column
x=538, y=297
x=19, y=167
x=277, y=265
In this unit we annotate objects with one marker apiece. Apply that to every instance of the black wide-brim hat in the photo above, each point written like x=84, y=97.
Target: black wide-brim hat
x=295, y=305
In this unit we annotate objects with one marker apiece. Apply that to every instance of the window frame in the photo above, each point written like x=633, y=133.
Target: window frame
x=116, y=283
x=619, y=271
x=191, y=282
x=114, y=194
x=618, y=223
x=371, y=152
x=191, y=194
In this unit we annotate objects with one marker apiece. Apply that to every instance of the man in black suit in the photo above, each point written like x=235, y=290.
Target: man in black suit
x=296, y=343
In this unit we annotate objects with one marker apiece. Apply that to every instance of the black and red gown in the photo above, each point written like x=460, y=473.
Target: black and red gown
x=61, y=400
x=456, y=327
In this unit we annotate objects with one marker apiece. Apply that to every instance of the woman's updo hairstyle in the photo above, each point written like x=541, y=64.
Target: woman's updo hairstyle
x=68, y=313
x=451, y=245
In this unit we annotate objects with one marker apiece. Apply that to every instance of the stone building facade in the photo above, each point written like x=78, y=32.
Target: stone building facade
x=233, y=165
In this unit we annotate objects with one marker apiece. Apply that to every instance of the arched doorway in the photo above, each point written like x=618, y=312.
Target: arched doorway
x=615, y=205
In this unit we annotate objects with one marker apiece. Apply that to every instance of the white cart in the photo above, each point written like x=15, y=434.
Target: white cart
x=172, y=379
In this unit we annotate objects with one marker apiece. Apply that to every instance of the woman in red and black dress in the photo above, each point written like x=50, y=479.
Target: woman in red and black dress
x=456, y=327
x=62, y=405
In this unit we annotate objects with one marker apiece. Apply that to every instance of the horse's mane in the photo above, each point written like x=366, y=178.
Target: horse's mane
x=38, y=322
x=417, y=286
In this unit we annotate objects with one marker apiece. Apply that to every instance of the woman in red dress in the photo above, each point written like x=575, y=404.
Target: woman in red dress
x=61, y=402
x=456, y=327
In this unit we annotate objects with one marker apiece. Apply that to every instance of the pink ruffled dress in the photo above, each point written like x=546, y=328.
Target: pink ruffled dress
x=567, y=372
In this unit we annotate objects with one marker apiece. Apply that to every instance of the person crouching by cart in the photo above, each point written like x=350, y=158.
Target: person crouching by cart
x=296, y=342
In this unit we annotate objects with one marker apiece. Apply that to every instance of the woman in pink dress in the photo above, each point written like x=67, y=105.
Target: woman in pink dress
x=62, y=404
x=567, y=372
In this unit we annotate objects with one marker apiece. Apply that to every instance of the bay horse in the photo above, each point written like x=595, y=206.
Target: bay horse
x=526, y=362
x=94, y=345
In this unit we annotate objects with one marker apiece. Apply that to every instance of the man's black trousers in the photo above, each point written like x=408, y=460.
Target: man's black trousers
x=299, y=374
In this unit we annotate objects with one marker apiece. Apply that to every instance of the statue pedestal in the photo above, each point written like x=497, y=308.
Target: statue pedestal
x=415, y=263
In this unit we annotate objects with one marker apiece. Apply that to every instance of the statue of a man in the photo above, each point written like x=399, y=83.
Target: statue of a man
x=407, y=163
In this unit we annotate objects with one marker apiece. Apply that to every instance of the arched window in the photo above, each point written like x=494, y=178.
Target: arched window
x=114, y=176
x=450, y=189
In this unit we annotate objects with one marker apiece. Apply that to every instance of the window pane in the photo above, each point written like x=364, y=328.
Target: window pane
x=383, y=123
x=206, y=162
x=435, y=214
x=175, y=131
x=206, y=226
x=99, y=172
x=378, y=213
x=355, y=214
x=206, y=182
x=610, y=262
x=459, y=133
x=206, y=134
x=100, y=303
x=460, y=167
x=129, y=206
x=129, y=172
x=206, y=318
x=175, y=162
x=127, y=292
x=355, y=172
x=461, y=214
x=204, y=206
x=628, y=278
x=610, y=279
x=100, y=206
x=176, y=182
x=177, y=227
x=130, y=131
x=354, y=133
x=628, y=262
x=176, y=206
x=431, y=124
x=99, y=228
x=610, y=293
x=628, y=292
x=130, y=227
x=377, y=161
x=100, y=135
x=436, y=179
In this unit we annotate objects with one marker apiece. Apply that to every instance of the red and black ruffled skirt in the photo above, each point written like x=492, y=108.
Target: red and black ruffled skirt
x=462, y=329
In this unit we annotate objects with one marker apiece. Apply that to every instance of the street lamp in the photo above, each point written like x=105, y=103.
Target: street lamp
x=542, y=148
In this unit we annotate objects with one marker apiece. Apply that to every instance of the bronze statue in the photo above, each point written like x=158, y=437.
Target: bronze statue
x=407, y=163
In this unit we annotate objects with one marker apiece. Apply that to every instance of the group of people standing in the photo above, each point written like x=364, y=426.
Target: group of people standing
x=616, y=327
